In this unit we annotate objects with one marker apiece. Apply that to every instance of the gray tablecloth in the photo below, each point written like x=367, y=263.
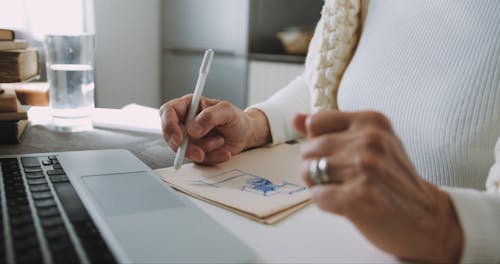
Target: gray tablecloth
x=150, y=148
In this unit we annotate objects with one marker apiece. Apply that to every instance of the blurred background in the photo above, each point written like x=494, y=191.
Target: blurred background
x=148, y=52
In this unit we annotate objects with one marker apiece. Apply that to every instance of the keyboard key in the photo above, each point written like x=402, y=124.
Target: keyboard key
x=46, y=162
x=19, y=210
x=16, y=201
x=32, y=169
x=21, y=220
x=39, y=188
x=24, y=244
x=52, y=157
x=15, y=193
x=30, y=162
x=55, y=232
x=24, y=231
x=60, y=244
x=36, y=181
x=56, y=166
x=48, y=211
x=58, y=178
x=45, y=203
x=75, y=210
x=51, y=221
x=34, y=175
x=55, y=172
x=67, y=256
x=41, y=195
x=31, y=256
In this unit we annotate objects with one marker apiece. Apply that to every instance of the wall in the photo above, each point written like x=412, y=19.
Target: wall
x=128, y=54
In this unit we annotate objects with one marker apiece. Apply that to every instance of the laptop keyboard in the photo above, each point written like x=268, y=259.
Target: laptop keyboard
x=43, y=219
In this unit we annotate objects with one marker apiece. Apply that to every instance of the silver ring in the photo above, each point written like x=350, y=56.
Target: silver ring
x=313, y=171
x=323, y=170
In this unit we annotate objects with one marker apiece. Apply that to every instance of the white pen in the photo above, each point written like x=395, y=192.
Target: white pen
x=195, y=101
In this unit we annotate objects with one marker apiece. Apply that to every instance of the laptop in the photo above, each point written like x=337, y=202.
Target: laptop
x=103, y=206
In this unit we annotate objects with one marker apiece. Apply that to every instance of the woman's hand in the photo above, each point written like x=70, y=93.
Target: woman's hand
x=374, y=184
x=218, y=131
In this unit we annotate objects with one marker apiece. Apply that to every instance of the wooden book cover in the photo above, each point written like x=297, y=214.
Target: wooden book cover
x=8, y=102
x=7, y=34
x=19, y=65
x=12, y=132
x=21, y=114
x=14, y=44
x=30, y=93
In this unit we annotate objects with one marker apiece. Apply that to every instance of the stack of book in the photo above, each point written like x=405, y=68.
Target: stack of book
x=18, y=63
x=13, y=118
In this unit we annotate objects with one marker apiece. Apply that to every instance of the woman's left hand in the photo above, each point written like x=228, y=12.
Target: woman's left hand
x=373, y=183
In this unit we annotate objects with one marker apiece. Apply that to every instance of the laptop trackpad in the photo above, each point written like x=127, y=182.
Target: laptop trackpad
x=129, y=193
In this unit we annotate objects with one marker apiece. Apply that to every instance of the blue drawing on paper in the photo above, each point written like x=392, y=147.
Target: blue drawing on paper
x=246, y=182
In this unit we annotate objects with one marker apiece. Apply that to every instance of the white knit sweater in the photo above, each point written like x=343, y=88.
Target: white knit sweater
x=433, y=67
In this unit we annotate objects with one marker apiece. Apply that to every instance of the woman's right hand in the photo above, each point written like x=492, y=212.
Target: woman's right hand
x=218, y=131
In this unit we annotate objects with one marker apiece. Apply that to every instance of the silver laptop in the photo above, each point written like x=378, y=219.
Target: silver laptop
x=102, y=206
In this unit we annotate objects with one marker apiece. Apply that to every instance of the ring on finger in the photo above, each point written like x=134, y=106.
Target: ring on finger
x=323, y=170
x=313, y=171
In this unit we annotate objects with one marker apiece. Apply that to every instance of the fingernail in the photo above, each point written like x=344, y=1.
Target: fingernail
x=176, y=140
x=219, y=142
x=195, y=129
x=196, y=156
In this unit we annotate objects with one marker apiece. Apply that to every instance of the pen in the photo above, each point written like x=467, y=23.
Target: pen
x=195, y=101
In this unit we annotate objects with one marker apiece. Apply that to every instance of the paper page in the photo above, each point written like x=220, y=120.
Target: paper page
x=261, y=182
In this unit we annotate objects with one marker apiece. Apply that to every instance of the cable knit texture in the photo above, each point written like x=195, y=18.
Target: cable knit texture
x=336, y=37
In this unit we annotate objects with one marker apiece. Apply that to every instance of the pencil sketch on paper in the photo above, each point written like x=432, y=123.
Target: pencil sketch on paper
x=246, y=182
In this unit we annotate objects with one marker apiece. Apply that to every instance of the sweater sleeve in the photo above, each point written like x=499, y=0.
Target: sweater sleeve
x=479, y=214
x=282, y=106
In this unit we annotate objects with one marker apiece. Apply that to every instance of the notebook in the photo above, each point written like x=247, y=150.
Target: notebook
x=262, y=184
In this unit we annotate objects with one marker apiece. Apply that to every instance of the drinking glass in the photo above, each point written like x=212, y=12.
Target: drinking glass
x=70, y=61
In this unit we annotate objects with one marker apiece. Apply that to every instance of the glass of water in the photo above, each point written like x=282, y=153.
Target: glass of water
x=70, y=61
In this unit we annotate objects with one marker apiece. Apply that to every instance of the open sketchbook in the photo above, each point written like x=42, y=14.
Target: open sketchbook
x=263, y=184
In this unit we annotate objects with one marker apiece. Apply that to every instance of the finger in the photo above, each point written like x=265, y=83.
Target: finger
x=195, y=153
x=172, y=131
x=172, y=114
x=328, y=122
x=330, y=198
x=327, y=144
x=217, y=115
x=339, y=169
x=217, y=156
x=210, y=143
x=299, y=122
x=371, y=118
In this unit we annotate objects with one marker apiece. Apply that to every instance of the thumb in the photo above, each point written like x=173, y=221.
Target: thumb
x=299, y=122
x=219, y=114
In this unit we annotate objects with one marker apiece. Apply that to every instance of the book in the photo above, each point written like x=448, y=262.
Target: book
x=19, y=65
x=8, y=102
x=31, y=93
x=7, y=34
x=14, y=44
x=12, y=132
x=21, y=114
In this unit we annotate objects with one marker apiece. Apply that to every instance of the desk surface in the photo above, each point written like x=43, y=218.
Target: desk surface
x=308, y=236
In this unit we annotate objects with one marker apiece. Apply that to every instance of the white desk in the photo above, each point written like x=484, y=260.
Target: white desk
x=308, y=236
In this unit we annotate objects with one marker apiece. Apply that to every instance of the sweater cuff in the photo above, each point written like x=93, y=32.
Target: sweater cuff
x=281, y=107
x=280, y=123
x=478, y=214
